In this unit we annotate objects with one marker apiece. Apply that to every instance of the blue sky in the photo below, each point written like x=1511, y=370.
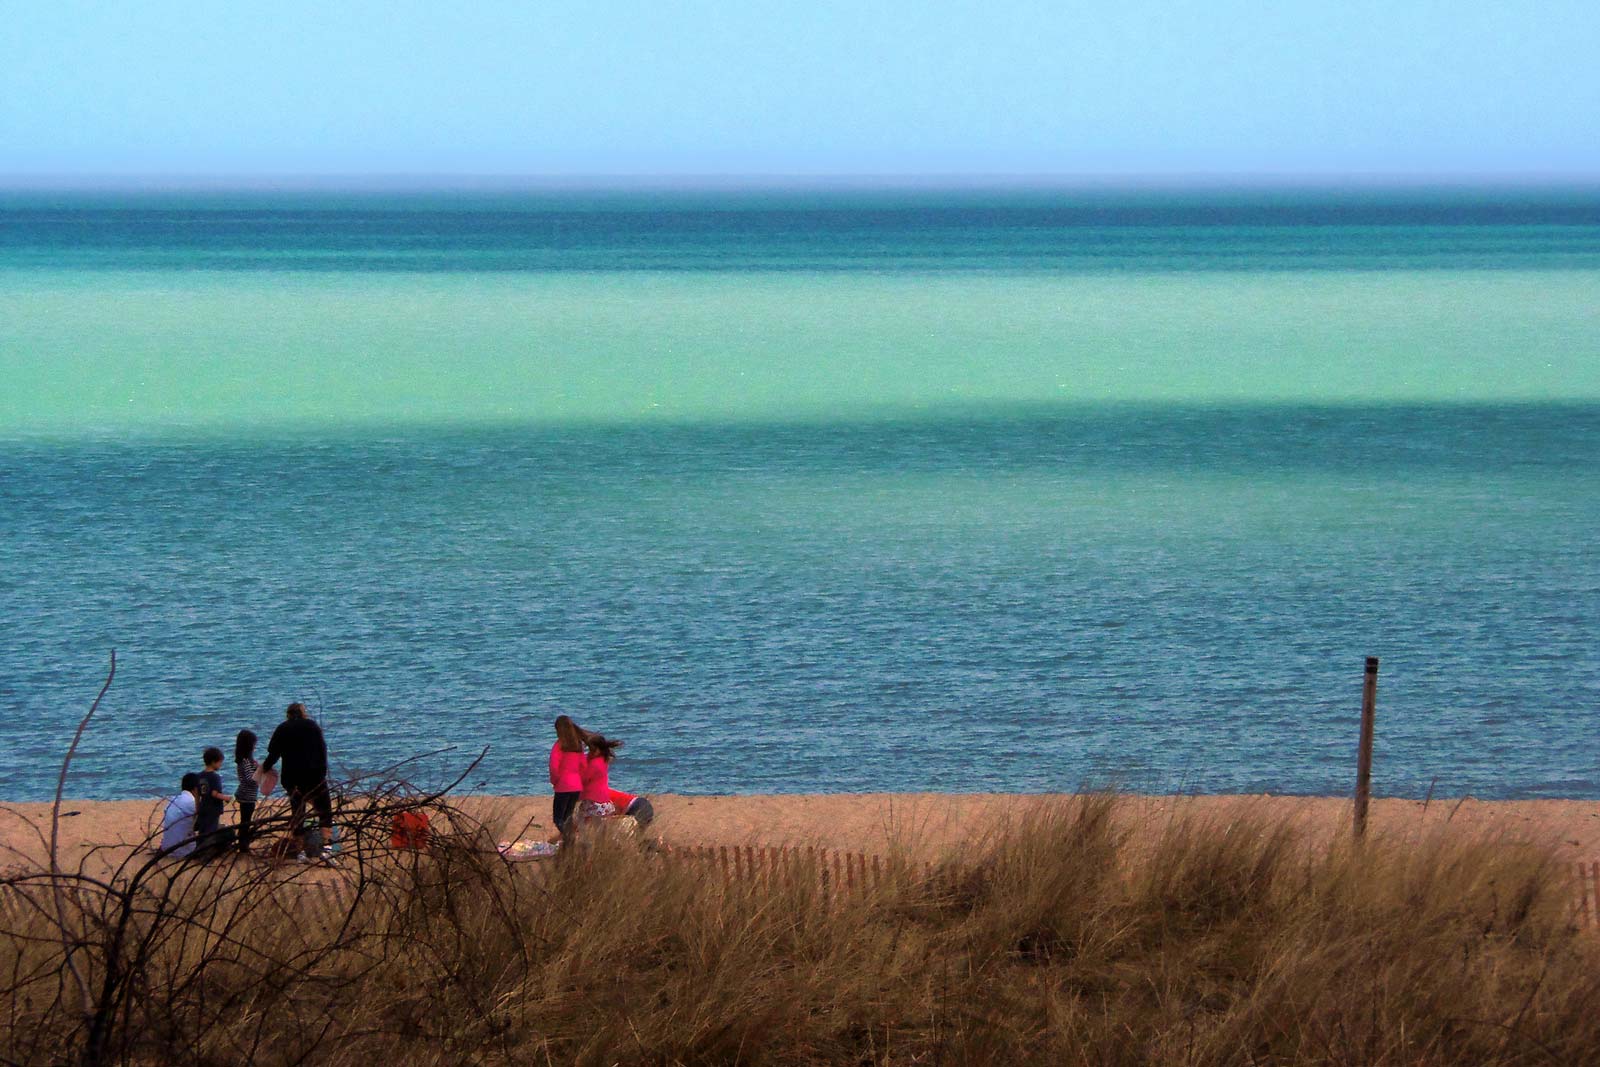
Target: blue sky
x=1144, y=87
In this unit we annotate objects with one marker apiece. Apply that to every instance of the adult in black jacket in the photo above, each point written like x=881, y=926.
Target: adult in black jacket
x=298, y=742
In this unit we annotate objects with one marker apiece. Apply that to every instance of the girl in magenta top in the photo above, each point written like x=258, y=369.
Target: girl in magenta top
x=566, y=771
x=596, y=776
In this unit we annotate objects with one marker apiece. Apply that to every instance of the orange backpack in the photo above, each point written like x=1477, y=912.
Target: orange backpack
x=410, y=830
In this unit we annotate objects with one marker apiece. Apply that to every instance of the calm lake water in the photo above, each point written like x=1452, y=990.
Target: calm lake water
x=808, y=492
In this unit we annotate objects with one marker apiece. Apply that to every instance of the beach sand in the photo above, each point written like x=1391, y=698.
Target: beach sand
x=927, y=823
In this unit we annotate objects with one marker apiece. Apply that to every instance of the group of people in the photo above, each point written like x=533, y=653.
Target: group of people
x=191, y=821
x=191, y=824
x=580, y=776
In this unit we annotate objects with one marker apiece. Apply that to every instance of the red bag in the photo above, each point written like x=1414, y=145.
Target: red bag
x=410, y=830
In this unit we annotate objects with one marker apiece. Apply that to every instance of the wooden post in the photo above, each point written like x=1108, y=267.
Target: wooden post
x=1594, y=889
x=876, y=879
x=722, y=858
x=1583, y=894
x=1369, y=706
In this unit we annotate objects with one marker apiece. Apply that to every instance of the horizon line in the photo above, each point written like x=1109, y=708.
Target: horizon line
x=423, y=181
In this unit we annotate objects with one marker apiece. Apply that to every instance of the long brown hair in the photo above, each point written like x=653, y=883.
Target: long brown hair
x=605, y=748
x=569, y=735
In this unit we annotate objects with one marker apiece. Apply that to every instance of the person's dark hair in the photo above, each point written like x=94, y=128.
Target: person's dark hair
x=191, y=782
x=296, y=710
x=244, y=746
x=603, y=747
x=211, y=755
x=569, y=735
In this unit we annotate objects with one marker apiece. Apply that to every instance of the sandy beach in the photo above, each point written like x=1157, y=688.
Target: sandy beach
x=926, y=823
x=1207, y=946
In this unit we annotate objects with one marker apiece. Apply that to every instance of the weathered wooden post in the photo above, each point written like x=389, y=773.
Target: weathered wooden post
x=1369, y=708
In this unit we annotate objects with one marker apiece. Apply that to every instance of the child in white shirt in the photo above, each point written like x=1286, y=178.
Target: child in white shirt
x=177, y=822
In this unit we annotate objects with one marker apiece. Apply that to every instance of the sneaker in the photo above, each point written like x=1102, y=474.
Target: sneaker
x=328, y=855
x=300, y=857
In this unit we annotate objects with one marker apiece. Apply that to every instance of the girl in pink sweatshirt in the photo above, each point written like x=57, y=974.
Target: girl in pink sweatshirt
x=566, y=771
x=596, y=776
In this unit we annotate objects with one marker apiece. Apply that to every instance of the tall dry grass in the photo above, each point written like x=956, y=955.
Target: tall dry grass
x=1063, y=937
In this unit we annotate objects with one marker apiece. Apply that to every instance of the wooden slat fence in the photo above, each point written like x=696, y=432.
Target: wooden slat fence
x=844, y=874
x=838, y=875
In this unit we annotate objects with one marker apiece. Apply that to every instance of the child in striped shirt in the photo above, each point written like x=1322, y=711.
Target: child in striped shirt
x=248, y=793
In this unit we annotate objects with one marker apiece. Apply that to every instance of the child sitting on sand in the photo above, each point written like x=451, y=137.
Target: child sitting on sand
x=636, y=806
x=177, y=821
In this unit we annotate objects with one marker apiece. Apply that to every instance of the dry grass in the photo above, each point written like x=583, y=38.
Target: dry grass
x=1058, y=939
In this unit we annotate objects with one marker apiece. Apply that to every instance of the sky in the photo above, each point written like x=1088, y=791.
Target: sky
x=812, y=87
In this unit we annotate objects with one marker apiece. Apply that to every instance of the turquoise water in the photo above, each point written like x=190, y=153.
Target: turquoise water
x=799, y=493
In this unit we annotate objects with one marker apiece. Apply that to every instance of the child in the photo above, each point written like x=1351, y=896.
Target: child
x=595, y=801
x=212, y=798
x=177, y=821
x=249, y=792
x=566, y=771
x=214, y=840
x=637, y=807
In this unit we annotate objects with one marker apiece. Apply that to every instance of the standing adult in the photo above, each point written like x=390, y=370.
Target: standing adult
x=298, y=742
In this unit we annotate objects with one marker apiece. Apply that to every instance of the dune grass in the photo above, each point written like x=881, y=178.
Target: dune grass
x=1060, y=937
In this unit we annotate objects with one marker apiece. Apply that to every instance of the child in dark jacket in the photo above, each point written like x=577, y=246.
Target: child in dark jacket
x=212, y=799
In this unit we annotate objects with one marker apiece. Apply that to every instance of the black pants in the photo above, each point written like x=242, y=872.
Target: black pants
x=641, y=811
x=247, y=811
x=317, y=795
x=214, y=844
x=563, y=807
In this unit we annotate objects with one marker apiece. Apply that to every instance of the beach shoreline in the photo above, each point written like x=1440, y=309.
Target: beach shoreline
x=927, y=824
